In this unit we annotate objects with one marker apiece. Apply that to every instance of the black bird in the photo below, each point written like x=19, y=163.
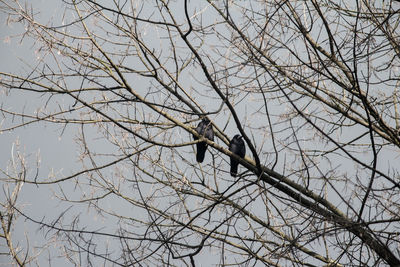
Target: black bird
x=205, y=129
x=236, y=146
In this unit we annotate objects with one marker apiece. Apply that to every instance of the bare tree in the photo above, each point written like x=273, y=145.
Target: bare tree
x=310, y=85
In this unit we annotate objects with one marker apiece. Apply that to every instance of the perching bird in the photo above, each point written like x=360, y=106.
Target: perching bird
x=236, y=146
x=204, y=128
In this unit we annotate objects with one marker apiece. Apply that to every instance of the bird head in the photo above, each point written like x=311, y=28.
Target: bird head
x=205, y=120
x=238, y=137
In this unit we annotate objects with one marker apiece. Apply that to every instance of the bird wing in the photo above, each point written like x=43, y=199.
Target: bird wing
x=199, y=129
x=242, y=149
x=209, y=134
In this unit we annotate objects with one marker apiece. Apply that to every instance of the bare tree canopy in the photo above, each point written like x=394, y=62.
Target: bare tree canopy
x=312, y=86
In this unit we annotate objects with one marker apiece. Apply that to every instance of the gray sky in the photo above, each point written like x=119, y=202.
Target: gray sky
x=57, y=150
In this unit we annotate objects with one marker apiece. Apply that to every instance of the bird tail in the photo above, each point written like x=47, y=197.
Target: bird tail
x=201, y=151
x=234, y=169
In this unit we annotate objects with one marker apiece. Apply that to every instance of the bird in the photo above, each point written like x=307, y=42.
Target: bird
x=204, y=129
x=237, y=146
